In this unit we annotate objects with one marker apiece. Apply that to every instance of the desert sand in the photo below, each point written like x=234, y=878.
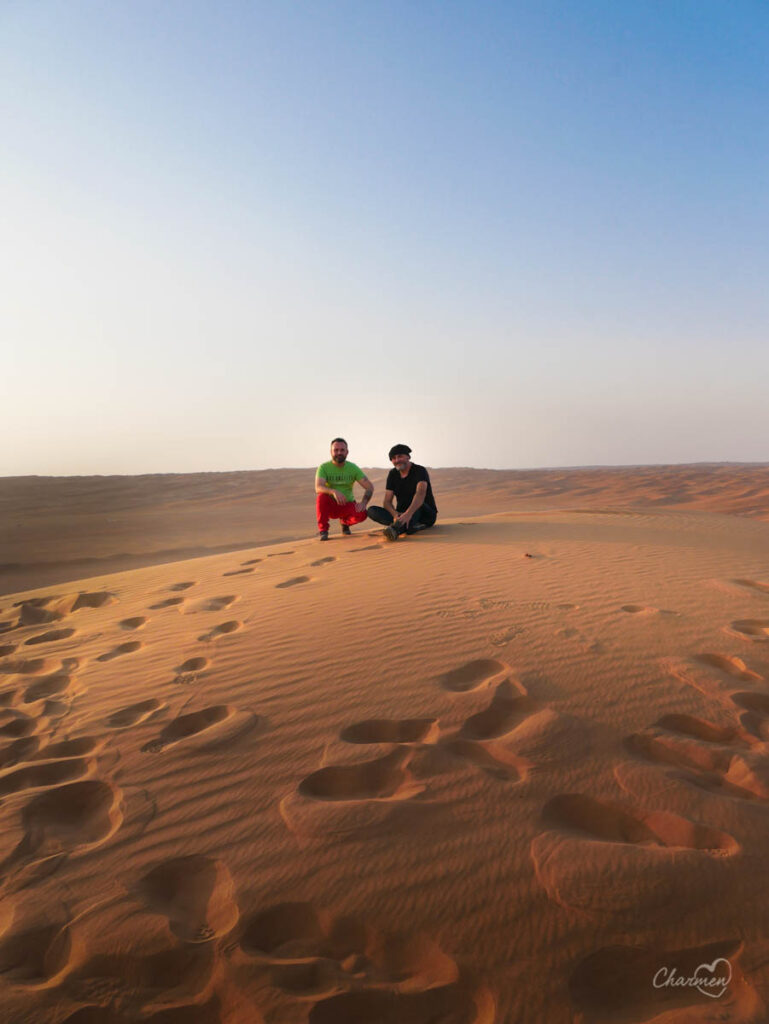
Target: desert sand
x=513, y=769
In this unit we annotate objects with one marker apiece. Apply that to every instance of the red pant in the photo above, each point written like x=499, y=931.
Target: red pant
x=328, y=508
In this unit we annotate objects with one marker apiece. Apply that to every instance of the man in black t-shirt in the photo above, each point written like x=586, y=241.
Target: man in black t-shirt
x=410, y=485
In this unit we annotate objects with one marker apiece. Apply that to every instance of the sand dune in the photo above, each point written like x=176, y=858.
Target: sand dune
x=56, y=529
x=508, y=770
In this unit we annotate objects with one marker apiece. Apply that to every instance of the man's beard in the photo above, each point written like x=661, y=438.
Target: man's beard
x=339, y=459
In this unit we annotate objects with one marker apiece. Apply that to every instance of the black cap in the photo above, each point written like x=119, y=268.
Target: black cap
x=399, y=449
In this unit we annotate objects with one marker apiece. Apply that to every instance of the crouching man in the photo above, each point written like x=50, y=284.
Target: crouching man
x=410, y=485
x=333, y=489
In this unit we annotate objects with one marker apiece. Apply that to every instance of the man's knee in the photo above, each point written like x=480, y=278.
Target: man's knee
x=327, y=503
x=379, y=515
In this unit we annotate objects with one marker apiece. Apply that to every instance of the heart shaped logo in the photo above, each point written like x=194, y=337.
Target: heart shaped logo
x=713, y=979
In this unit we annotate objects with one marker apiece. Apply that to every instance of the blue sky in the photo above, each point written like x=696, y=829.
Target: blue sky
x=510, y=234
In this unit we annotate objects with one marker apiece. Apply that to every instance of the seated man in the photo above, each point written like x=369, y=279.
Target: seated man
x=333, y=487
x=410, y=484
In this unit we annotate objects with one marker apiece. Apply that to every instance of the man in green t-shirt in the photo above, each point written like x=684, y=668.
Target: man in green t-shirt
x=333, y=488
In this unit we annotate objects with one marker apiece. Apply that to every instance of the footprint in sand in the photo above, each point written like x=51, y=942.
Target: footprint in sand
x=44, y=776
x=756, y=630
x=355, y=973
x=569, y=632
x=171, y=602
x=188, y=672
x=70, y=819
x=19, y=725
x=754, y=585
x=217, y=604
x=58, y=685
x=194, y=665
x=195, y=893
x=477, y=739
x=639, y=609
x=121, y=649
x=238, y=572
x=369, y=547
x=18, y=751
x=252, y=561
x=182, y=586
x=384, y=778
x=36, y=956
x=289, y=932
x=94, y=599
x=213, y=604
x=50, y=636
x=501, y=765
x=186, y=726
x=218, y=725
x=713, y=675
x=322, y=561
x=137, y=622
x=80, y=747
x=223, y=629
x=8, y=698
x=731, y=666
x=36, y=611
x=627, y=983
x=358, y=796
x=473, y=675
x=346, y=797
x=754, y=718
x=294, y=581
x=508, y=707
x=364, y=794
x=134, y=714
x=602, y=857
x=279, y=554
x=391, y=730
x=461, y=1002
x=725, y=760
x=178, y=978
x=502, y=637
x=28, y=666
x=6, y=649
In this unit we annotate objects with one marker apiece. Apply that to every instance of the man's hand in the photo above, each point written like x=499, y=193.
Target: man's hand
x=404, y=518
x=339, y=498
x=360, y=506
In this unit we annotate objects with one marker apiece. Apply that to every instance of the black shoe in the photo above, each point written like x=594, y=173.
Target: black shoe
x=324, y=534
x=390, y=533
x=346, y=529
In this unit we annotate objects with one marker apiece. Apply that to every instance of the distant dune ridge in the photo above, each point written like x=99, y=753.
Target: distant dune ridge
x=515, y=768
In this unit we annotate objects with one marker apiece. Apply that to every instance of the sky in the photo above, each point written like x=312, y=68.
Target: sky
x=509, y=234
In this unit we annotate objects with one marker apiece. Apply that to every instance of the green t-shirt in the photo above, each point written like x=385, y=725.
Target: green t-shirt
x=341, y=478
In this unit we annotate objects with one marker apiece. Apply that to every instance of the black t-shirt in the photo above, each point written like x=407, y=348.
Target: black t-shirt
x=404, y=487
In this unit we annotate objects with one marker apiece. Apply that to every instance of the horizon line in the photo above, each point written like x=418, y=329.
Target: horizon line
x=475, y=469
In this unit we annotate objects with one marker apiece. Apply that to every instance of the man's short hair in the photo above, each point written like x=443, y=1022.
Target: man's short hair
x=340, y=440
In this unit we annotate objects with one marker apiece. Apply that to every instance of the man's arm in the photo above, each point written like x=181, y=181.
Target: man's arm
x=321, y=487
x=388, y=502
x=368, y=490
x=416, y=502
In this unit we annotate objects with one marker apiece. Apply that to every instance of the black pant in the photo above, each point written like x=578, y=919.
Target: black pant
x=423, y=518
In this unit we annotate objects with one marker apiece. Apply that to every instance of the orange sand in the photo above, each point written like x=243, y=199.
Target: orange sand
x=504, y=771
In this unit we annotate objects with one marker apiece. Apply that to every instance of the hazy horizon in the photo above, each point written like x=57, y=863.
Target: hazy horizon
x=536, y=231
x=384, y=468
